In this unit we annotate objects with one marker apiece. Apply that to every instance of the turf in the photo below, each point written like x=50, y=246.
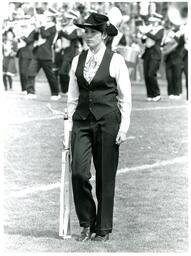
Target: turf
x=151, y=205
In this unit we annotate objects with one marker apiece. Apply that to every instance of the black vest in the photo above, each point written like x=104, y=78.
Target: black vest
x=98, y=97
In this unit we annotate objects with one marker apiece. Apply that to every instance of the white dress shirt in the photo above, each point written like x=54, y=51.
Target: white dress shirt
x=117, y=70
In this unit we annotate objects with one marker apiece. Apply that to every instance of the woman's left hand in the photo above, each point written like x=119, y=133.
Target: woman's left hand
x=121, y=137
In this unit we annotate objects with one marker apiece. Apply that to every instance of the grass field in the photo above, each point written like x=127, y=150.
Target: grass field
x=151, y=199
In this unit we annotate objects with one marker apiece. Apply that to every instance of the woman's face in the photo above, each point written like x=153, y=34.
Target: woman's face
x=93, y=38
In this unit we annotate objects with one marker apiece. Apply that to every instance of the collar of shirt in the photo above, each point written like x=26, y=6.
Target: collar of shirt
x=98, y=56
x=49, y=25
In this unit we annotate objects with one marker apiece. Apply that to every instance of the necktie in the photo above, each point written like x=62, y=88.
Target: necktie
x=90, y=69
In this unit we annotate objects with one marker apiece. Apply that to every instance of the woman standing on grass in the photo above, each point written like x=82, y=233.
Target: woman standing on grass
x=99, y=106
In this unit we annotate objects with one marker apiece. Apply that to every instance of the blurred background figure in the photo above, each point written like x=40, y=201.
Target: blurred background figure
x=185, y=55
x=9, y=61
x=25, y=34
x=173, y=48
x=152, y=34
x=122, y=43
x=116, y=18
x=68, y=44
x=43, y=40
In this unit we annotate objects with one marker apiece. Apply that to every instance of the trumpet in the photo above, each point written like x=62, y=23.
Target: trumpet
x=144, y=29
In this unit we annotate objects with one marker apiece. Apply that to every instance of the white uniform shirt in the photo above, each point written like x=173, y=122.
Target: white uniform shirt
x=117, y=70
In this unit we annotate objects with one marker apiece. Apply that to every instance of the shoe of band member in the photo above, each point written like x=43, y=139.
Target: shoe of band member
x=31, y=96
x=99, y=238
x=149, y=99
x=24, y=92
x=85, y=235
x=177, y=97
x=157, y=98
x=55, y=97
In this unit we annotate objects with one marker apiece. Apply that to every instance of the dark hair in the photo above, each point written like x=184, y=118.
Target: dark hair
x=9, y=30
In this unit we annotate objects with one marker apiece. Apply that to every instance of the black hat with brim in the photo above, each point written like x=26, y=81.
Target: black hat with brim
x=98, y=22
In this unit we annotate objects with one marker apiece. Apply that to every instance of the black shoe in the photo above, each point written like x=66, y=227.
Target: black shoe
x=99, y=238
x=84, y=235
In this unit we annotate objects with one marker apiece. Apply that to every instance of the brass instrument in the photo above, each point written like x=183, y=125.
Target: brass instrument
x=177, y=15
x=169, y=47
x=144, y=29
x=41, y=20
x=129, y=53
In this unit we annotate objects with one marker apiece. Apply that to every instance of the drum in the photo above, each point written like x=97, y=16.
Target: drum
x=129, y=53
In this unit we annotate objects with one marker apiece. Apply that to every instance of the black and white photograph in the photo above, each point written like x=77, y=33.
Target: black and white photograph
x=95, y=127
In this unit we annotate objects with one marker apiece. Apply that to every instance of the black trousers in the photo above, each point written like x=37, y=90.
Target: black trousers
x=97, y=139
x=64, y=82
x=7, y=80
x=24, y=64
x=174, y=79
x=151, y=67
x=47, y=65
x=185, y=69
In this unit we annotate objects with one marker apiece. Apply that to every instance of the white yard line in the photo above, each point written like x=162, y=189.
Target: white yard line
x=177, y=160
x=28, y=120
x=160, y=108
x=59, y=116
x=56, y=185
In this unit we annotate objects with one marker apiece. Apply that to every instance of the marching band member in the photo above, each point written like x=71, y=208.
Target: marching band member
x=173, y=50
x=70, y=42
x=9, y=53
x=152, y=37
x=99, y=106
x=185, y=55
x=25, y=52
x=120, y=40
x=116, y=18
x=45, y=34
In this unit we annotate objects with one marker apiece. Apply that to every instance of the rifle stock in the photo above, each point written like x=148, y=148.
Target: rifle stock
x=65, y=196
x=65, y=186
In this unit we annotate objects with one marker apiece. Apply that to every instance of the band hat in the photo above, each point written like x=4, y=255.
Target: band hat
x=51, y=12
x=125, y=18
x=98, y=22
x=155, y=17
x=72, y=15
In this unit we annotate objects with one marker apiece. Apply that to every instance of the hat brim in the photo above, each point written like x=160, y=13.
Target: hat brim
x=153, y=19
x=86, y=25
x=110, y=30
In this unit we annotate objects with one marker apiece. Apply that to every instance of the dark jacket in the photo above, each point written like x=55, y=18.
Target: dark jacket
x=68, y=53
x=176, y=56
x=44, y=51
x=154, y=52
x=98, y=97
x=27, y=51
